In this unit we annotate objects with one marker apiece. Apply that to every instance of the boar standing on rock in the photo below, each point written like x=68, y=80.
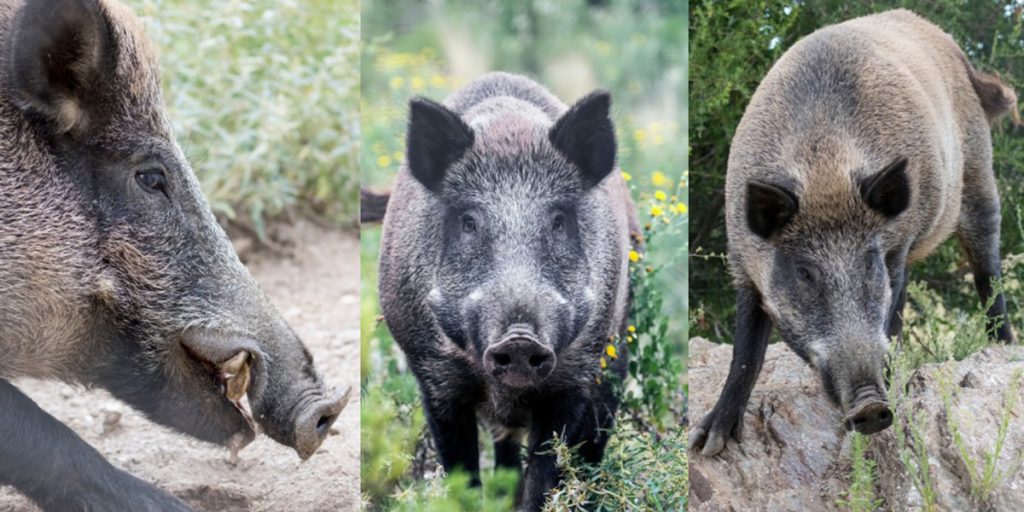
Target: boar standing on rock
x=503, y=272
x=114, y=272
x=863, y=149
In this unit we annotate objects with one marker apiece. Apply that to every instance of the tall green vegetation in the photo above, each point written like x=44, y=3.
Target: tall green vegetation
x=264, y=97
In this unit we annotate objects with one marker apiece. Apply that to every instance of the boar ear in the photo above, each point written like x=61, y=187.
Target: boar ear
x=888, y=191
x=436, y=139
x=769, y=208
x=586, y=137
x=60, y=52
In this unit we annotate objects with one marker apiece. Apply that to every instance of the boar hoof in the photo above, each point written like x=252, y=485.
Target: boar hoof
x=713, y=432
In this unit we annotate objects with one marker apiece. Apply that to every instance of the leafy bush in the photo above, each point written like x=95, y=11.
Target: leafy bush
x=263, y=97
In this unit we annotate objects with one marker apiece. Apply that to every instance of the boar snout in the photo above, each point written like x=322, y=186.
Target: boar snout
x=519, y=359
x=314, y=421
x=870, y=413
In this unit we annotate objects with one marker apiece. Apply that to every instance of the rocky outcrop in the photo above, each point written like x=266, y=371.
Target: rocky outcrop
x=795, y=453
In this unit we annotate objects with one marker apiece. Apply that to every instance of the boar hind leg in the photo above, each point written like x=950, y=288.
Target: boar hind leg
x=726, y=419
x=43, y=459
x=978, y=233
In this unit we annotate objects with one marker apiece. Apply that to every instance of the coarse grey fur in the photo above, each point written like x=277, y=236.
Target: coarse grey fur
x=885, y=99
x=512, y=173
x=114, y=272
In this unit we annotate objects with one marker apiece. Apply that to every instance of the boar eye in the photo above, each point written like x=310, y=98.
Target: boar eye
x=152, y=180
x=805, y=274
x=558, y=222
x=468, y=224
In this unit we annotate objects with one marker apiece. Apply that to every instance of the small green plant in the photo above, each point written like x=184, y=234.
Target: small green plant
x=453, y=493
x=984, y=474
x=860, y=497
x=909, y=431
x=933, y=334
x=638, y=472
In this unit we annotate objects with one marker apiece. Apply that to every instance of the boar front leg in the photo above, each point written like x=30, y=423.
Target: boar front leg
x=564, y=416
x=455, y=435
x=978, y=233
x=726, y=419
x=898, y=284
x=43, y=459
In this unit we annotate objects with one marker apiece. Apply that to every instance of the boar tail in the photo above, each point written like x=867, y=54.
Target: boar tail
x=996, y=97
x=372, y=205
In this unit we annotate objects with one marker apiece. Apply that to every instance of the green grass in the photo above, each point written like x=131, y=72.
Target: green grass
x=909, y=427
x=984, y=474
x=932, y=336
x=636, y=50
x=860, y=497
x=263, y=95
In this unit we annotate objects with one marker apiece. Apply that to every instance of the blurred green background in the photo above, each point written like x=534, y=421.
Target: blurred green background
x=734, y=43
x=264, y=98
x=635, y=49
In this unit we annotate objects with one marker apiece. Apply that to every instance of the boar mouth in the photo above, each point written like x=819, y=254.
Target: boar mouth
x=233, y=379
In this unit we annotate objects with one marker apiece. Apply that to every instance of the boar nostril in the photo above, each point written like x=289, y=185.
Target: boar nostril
x=502, y=359
x=325, y=423
x=885, y=419
x=538, y=359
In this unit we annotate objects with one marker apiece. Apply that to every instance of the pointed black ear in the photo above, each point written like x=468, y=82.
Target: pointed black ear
x=769, y=208
x=61, y=51
x=436, y=139
x=586, y=137
x=888, y=191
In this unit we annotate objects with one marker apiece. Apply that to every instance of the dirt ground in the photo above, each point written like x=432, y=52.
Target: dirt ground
x=316, y=288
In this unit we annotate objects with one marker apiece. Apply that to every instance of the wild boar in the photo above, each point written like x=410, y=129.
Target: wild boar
x=114, y=272
x=503, y=272
x=864, y=148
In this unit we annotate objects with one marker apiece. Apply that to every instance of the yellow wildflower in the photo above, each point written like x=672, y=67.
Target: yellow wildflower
x=610, y=350
x=626, y=176
x=397, y=82
x=631, y=328
x=604, y=364
x=640, y=135
x=418, y=83
x=681, y=208
x=660, y=196
x=634, y=256
x=659, y=179
x=656, y=211
x=383, y=160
